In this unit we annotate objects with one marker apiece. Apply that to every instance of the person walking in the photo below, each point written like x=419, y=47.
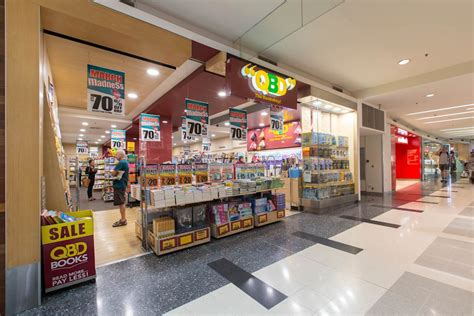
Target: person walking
x=452, y=161
x=444, y=163
x=120, y=183
x=91, y=172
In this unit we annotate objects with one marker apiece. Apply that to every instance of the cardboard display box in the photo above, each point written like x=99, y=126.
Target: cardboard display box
x=232, y=227
x=269, y=217
x=174, y=243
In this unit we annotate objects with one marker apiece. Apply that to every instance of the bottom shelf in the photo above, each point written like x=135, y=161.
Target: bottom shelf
x=232, y=227
x=177, y=242
x=317, y=205
x=269, y=217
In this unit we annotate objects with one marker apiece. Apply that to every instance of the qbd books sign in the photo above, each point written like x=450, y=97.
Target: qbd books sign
x=150, y=128
x=197, y=118
x=118, y=139
x=238, y=124
x=276, y=118
x=82, y=148
x=105, y=90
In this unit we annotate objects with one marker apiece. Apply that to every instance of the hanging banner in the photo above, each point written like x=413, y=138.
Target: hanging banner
x=94, y=151
x=206, y=145
x=197, y=118
x=238, y=124
x=276, y=119
x=117, y=139
x=184, y=130
x=82, y=147
x=105, y=90
x=150, y=128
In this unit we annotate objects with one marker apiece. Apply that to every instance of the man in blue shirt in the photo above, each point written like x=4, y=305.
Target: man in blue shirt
x=120, y=186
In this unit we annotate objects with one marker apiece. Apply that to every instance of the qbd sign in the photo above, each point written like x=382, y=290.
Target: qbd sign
x=266, y=82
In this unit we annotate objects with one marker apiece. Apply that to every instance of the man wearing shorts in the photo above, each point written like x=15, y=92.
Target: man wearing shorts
x=120, y=187
x=444, y=163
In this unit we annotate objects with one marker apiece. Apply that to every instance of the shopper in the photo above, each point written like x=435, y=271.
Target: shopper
x=91, y=172
x=120, y=186
x=443, y=163
x=452, y=161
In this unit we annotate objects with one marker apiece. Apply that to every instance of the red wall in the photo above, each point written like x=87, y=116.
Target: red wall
x=408, y=159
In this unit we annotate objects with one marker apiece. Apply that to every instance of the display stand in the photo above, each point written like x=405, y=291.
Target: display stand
x=232, y=227
x=269, y=217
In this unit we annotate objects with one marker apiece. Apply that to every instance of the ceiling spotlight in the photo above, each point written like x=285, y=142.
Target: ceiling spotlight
x=152, y=72
x=113, y=126
x=213, y=135
x=226, y=123
x=317, y=103
x=134, y=138
x=81, y=135
x=132, y=95
x=261, y=125
x=165, y=122
x=96, y=142
x=99, y=140
x=264, y=113
x=404, y=61
x=82, y=130
x=430, y=95
x=172, y=137
x=79, y=139
x=107, y=132
x=174, y=144
x=102, y=136
x=222, y=94
x=85, y=123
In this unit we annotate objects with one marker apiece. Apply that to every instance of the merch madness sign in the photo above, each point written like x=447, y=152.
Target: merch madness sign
x=238, y=124
x=197, y=118
x=118, y=139
x=150, y=128
x=105, y=90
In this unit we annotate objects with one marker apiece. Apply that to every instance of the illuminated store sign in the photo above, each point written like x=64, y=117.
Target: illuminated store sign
x=402, y=140
x=266, y=82
x=402, y=132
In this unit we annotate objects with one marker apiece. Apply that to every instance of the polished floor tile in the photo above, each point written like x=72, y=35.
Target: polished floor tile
x=462, y=227
x=468, y=211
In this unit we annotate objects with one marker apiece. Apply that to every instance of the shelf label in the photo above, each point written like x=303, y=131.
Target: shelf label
x=82, y=147
x=168, y=174
x=197, y=118
x=236, y=225
x=105, y=90
x=150, y=128
x=117, y=139
x=262, y=218
x=280, y=214
x=276, y=119
x=238, y=124
x=247, y=222
x=224, y=229
x=167, y=244
x=186, y=240
x=185, y=174
x=201, y=234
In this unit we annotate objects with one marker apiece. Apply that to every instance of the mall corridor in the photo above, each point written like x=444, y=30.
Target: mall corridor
x=407, y=254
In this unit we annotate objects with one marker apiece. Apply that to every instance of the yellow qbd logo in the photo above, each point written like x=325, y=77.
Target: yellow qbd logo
x=266, y=82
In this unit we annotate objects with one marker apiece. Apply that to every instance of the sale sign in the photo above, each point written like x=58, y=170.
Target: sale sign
x=276, y=118
x=168, y=174
x=82, y=148
x=118, y=139
x=150, y=128
x=238, y=124
x=206, y=145
x=68, y=252
x=105, y=90
x=197, y=118
x=185, y=174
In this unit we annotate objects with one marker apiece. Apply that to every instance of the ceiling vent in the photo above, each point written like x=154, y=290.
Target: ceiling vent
x=338, y=89
x=373, y=118
x=129, y=2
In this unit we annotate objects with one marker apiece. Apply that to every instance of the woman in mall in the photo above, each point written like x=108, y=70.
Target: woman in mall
x=444, y=163
x=91, y=171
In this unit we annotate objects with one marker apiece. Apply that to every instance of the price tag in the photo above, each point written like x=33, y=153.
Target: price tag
x=197, y=118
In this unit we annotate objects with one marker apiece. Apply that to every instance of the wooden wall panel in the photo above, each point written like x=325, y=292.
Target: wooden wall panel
x=23, y=132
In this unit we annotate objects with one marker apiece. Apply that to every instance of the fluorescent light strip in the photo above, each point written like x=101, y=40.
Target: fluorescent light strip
x=458, y=132
x=456, y=129
x=443, y=115
x=456, y=119
x=442, y=109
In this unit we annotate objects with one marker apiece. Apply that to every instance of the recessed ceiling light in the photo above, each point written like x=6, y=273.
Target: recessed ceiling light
x=226, y=123
x=172, y=137
x=102, y=136
x=134, y=138
x=317, y=102
x=429, y=95
x=82, y=130
x=99, y=140
x=165, y=122
x=132, y=95
x=222, y=94
x=442, y=109
x=96, y=142
x=85, y=123
x=453, y=119
x=264, y=113
x=404, y=61
x=79, y=139
x=152, y=72
x=107, y=132
x=81, y=135
x=113, y=126
x=174, y=144
x=261, y=125
x=213, y=135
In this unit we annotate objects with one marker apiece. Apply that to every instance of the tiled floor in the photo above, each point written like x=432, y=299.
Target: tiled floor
x=390, y=255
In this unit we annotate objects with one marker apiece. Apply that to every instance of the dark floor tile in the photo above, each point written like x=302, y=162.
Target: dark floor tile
x=328, y=242
x=365, y=220
x=399, y=208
